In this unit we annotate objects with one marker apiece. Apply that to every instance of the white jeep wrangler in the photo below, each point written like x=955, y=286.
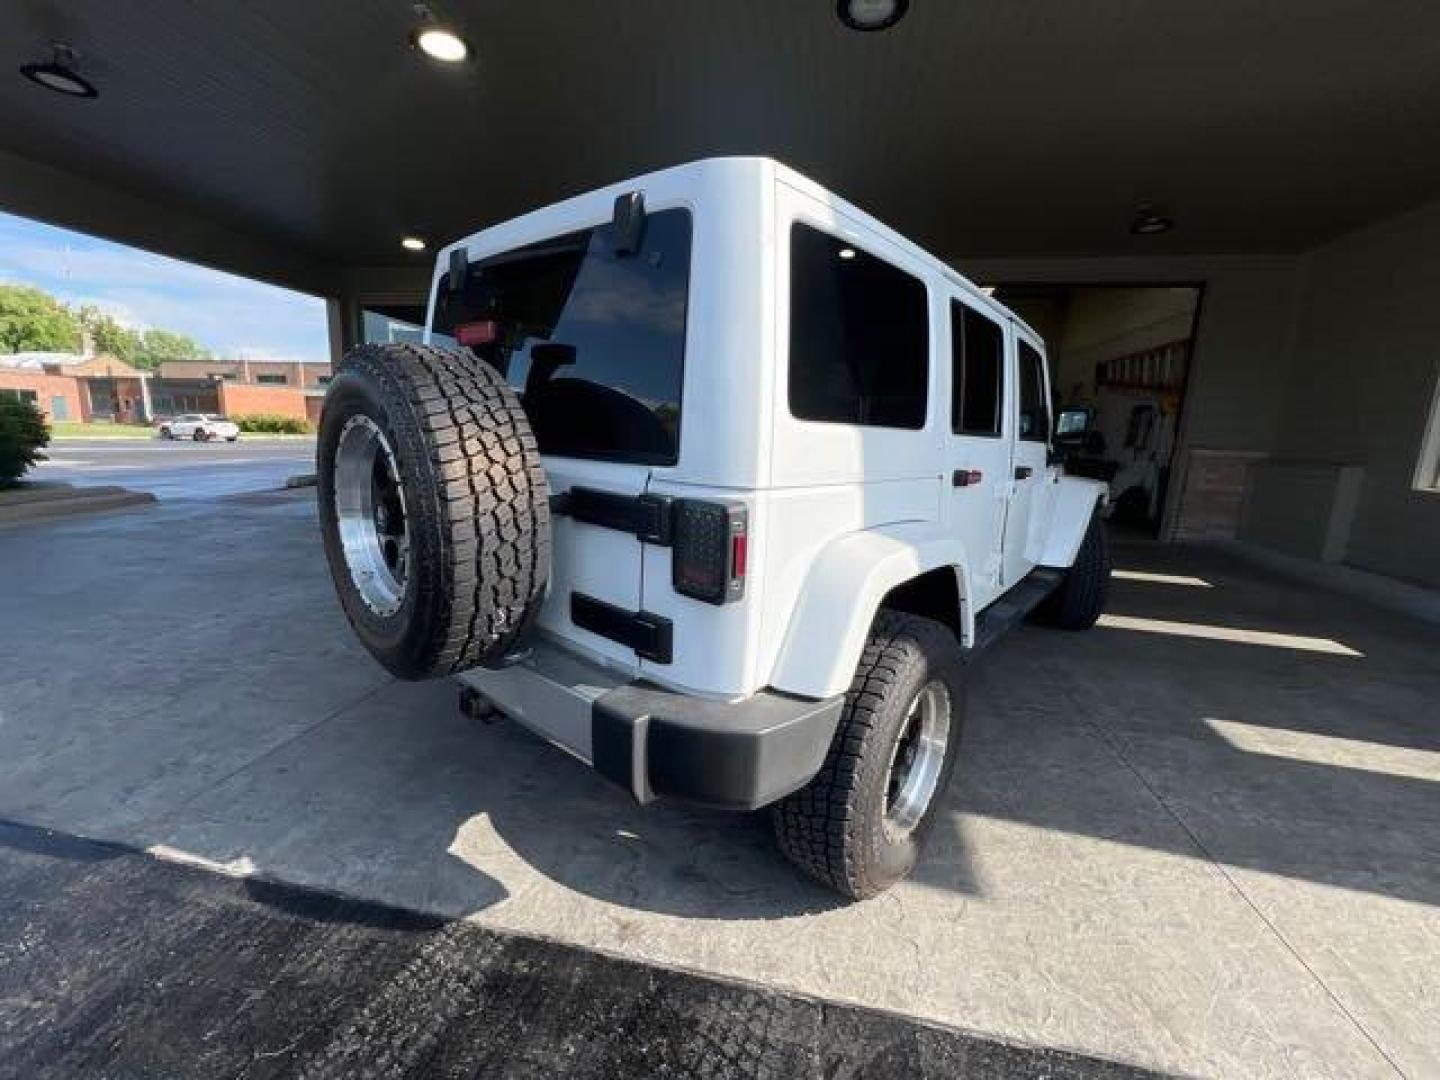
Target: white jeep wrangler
x=716, y=482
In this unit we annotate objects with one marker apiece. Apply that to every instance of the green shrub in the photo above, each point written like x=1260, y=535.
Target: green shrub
x=22, y=435
x=266, y=424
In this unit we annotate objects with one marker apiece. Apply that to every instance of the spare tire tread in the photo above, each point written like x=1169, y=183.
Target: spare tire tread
x=487, y=495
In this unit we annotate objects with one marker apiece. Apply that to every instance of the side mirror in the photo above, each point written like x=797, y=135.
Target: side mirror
x=1074, y=422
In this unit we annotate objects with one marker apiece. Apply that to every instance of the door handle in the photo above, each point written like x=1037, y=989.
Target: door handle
x=966, y=477
x=1023, y=472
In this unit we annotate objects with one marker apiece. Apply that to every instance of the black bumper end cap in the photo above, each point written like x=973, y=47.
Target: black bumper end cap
x=735, y=755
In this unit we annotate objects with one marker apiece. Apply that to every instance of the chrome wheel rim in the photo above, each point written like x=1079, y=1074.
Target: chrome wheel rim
x=370, y=515
x=917, y=759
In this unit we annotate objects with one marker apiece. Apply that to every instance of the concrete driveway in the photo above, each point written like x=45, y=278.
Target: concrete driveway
x=1211, y=850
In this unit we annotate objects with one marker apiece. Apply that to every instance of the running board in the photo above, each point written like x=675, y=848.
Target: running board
x=1005, y=613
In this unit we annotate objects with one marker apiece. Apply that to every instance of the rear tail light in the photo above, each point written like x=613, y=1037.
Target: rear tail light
x=480, y=332
x=710, y=543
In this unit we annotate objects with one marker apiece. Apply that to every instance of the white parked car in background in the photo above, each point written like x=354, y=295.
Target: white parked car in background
x=202, y=427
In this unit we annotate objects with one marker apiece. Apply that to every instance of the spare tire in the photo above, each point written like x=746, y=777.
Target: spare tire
x=433, y=507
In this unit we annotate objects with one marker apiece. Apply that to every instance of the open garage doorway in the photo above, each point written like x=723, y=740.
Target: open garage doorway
x=1119, y=364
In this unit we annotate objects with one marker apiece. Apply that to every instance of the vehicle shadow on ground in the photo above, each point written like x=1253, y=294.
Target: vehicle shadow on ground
x=403, y=799
x=534, y=804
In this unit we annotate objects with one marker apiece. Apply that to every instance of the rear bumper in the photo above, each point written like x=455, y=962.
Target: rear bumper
x=742, y=755
x=657, y=743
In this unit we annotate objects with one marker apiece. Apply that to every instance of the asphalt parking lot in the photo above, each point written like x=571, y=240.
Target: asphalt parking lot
x=1205, y=852
x=180, y=469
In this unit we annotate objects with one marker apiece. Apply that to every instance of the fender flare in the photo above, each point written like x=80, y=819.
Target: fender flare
x=842, y=592
x=1076, y=500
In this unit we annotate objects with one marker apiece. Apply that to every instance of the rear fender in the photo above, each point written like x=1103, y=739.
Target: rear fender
x=1075, y=502
x=844, y=589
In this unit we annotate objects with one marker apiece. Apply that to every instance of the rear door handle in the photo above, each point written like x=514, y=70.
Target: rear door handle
x=1023, y=472
x=966, y=477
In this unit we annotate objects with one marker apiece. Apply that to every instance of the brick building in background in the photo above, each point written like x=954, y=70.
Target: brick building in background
x=243, y=387
x=102, y=389
x=68, y=386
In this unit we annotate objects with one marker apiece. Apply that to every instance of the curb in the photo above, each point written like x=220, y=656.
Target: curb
x=45, y=502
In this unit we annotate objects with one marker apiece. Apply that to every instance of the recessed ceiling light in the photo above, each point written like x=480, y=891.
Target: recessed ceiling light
x=413, y=243
x=60, y=74
x=871, y=14
x=1149, y=221
x=440, y=44
x=847, y=253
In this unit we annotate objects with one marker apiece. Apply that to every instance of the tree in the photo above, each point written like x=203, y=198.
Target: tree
x=157, y=346
x=23, y=432
x=108, y=336
x=35, y=320
x=31, y=320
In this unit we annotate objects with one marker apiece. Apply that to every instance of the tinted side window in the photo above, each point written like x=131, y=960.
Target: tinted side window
x=1034, y=413
x=859, y=336
x=594, y=342
x=978, y=348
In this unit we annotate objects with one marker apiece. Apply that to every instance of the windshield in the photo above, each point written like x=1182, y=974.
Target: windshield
x=593, y=341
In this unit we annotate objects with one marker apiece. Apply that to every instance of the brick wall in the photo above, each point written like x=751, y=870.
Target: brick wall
x=1213, y=494
x=46, y=388
x=243, y=399
x=306, y=376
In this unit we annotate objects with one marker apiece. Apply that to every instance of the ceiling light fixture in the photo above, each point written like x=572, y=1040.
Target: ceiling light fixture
x=441, y=44
x=1149, y=221
x=847, y=253
x=413, y=243
x=867, y=15
x=60, y=74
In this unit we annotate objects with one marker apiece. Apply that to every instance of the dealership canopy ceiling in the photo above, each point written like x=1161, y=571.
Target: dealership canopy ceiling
x=979, y=128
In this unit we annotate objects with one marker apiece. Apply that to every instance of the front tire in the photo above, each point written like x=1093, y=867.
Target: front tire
x=165, y=433
x=859, y=826
x=1080, y=599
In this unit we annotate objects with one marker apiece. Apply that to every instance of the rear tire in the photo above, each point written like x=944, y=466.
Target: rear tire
x=853, y=827
x=427, y=460
x=165, y=433
x=1080, y=599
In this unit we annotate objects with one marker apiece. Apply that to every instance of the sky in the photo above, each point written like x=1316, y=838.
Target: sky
x=231, y=316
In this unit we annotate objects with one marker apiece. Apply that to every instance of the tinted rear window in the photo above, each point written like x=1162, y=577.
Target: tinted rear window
x=1034, y=411
x=859, y=335
x=594, y=342
x=979, y=359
